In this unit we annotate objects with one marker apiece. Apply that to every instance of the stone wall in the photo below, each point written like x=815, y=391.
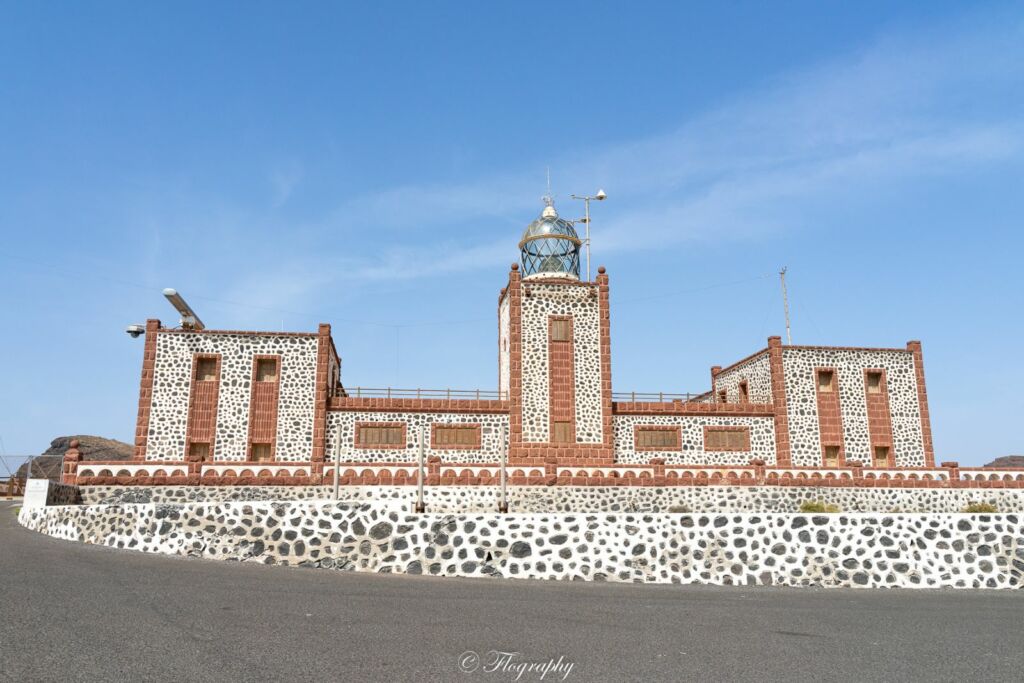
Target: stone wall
x=756, y=371
x=850, y=550
x=800, y=364
x=585, y=499
x=581, y=304
x=691, y=442
x=493, y=436
x=172, y=380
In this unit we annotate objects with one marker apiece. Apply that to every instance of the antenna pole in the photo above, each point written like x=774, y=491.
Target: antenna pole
x=586, y=214
x=785, y=305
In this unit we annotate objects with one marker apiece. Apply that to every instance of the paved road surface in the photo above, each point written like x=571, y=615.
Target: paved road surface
x=76, y=612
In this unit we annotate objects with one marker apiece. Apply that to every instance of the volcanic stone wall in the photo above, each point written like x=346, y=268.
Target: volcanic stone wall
x=493, y=436
x=757, y=373
x=172, y=380
x=585, y=499
x=579, y=303
x=799, y=365
x=850, y=550
x=691, y=451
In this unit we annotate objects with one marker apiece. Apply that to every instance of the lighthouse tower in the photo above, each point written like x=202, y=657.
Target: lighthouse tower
x=555, y=351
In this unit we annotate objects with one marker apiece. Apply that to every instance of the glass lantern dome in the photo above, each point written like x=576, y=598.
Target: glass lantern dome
x=550, y=246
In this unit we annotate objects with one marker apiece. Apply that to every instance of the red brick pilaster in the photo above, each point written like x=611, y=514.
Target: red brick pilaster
x=879, y=418
x=146, y=389
x=321, y=393
x=71, y=459
x=922, y=403
x=561, y=379
x=606, y=367
x=263, y=401
x=202, y=407
x=782, y=453
x=715, y=369
x=830, y=416
x=515, y=355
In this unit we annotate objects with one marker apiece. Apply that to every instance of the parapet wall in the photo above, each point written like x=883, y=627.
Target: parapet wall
x=584, y=499
x=853, y=550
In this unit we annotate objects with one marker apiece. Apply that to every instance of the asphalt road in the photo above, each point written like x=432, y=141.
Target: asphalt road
x=77, y=612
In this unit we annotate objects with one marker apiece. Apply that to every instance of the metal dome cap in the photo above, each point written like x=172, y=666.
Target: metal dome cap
x=550, y=246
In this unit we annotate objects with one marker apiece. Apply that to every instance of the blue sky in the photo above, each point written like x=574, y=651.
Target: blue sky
x=373, y=167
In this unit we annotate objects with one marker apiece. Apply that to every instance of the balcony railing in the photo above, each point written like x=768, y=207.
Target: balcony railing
x=448, y=394
x=660, y=397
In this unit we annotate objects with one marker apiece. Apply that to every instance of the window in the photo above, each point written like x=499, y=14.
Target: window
x=199, y=452
x=561, y=432
x=723, y=397
x=655, y=439
x=381, y=435
x=874, y=382
x=206, y=370
x=559, y=330
x=266, y=370
x=832, y=456
x=727, y=439
x=826, y=381
x=881, y=456
x=744, y=392
x=261, y=452
x=457, y=436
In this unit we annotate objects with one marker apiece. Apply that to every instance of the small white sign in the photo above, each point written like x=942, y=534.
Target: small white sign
x=36, y=491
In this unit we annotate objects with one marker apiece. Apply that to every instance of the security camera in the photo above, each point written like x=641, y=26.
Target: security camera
x=135, y=331
x=600, y=195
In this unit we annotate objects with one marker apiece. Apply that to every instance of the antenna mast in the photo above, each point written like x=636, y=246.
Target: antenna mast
x=785, y=305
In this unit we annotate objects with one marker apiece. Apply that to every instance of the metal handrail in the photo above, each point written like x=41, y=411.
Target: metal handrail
x=390, y=392
x=637, y=396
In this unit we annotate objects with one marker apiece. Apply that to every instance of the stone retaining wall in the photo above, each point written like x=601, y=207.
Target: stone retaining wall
x=541, y=499
x=854, y=550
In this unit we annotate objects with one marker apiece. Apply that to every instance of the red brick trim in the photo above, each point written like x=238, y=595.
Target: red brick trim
x=382, y=447
x=416, y=405
x=830, y=415
x=561, y=379
x=845, y=348
x=146, y=388
x=656, y=473
x=202, y=406
x=741, y=361
x=604, y=310
x=515, y=360
x=244, y=333
x=922, y=403
x=477, y=438
x=879, y=418
x=263, y=419
x=743, y=391
x=693, y=409
x=782, y=439
x=324, y=347
x=708, y=429
x=677, y=444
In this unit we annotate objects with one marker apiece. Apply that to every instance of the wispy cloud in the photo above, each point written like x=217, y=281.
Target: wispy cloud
x=900, y=108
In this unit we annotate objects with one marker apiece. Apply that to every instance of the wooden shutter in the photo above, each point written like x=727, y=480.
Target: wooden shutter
x=561, y=432
x=261, y=452
x=206, y=369
x=266, y=370
x=559, y=330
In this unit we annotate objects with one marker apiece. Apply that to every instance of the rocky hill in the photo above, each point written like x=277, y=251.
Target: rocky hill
x=1008, y=461
x=91, y=447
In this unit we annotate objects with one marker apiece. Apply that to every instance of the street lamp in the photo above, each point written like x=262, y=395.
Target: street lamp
x=600, y=196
